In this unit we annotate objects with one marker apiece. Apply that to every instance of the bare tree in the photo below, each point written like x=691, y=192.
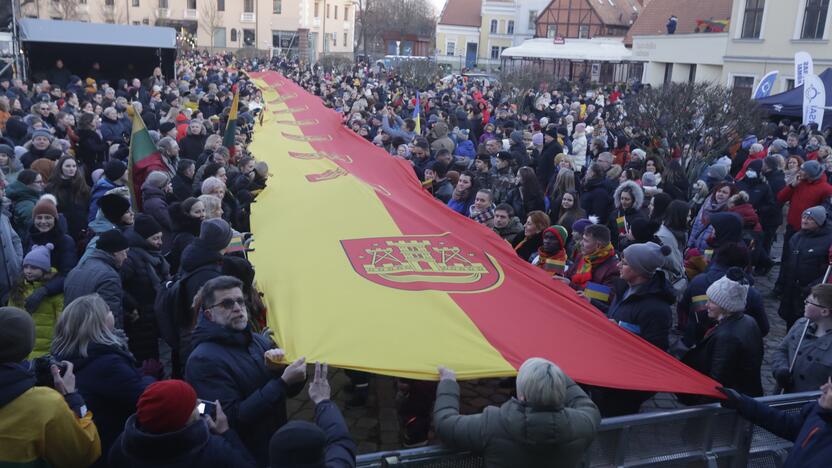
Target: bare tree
x=407, y=17
x=421, y=73
x=29, y=7
x=516, y=82
x=210, y=18
x=113, y=14
x=707, y=118
x=67, y=9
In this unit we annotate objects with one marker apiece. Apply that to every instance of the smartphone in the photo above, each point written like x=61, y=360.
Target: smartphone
x=207, y=408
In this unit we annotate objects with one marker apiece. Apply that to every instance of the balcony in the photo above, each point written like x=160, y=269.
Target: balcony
x=190, y=14
x=163, y=13
x=248, y=18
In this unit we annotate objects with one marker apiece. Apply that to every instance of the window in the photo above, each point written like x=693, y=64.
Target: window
x=162, y=3
x=334, y=39
x=109, y=3
x=583, y=31
x=327, y=11
x=668, y=73
x=277, y=6
x=752, y=19
x=743, y=85
x=495, y=53
x=248, y=6
x=532, y=20
x=449, y=49
x=233, y=35
x=145, y=21
x=346, y=38
x=493, y=26
x=317, y=8
x=551, y=31
x=336, y=11
x=136, y=3
x=135, y=23
x=192, y=4
x=220, y=5
x=814, y=19
x=510, y=27
x=218, y=39
x=248, y=38
x=692, y=73
x=346, y=13
x=789, y=83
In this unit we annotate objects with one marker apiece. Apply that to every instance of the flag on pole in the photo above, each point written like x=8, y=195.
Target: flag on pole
x=803, y=67
x=765, y=85
x=814, y=100
x=417, y=114
x=143, y=158
x=231, y=126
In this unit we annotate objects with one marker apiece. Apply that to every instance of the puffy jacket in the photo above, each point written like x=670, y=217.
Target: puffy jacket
x=731, y=354
x=813, y=364
x=228, y=365
x=516, y=434
x=97, y=273
x=185, y=230
x=45, y=316
x=37, y=428
x=810, y=430
x=191, y=146
x=155, y=204
x=91, y=149
x=24, y=199
x=762, y=199
x=512, y=231
x=112, y=131
x=63, y=257
x=196, y=256
x=192, y=446
x=11, y=250
x=98, y=190
x=806, y=264
x=596, y=199
x=442, y=140
x=111, y=384
x=546, y=162
x=645, y=310
x=806, y=195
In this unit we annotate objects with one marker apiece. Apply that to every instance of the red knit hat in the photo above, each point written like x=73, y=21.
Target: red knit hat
x=165, y=406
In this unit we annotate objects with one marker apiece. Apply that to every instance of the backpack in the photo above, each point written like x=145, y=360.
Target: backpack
x=170, y=306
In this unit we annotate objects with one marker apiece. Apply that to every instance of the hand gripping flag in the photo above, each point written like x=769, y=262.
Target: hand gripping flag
x=365, y=270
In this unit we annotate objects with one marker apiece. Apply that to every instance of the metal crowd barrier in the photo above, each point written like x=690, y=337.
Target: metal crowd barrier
x=702, y=436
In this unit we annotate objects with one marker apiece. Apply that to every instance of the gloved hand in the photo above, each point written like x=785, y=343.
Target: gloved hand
x=732, y=400
x=153, y=368
x=783, y=377
x=34, y=300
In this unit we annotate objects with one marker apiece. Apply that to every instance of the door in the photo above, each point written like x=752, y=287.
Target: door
x=219, y=37
x=471, y=55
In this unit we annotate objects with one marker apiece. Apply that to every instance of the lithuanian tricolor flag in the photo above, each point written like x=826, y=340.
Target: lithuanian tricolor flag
x=143, y=156
x=363, y=269
x=231, y=126
x=621, y=222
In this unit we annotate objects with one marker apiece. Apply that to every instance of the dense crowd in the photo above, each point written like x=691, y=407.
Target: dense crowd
x=133, y=332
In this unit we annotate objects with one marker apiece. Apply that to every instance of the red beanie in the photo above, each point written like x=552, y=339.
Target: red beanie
x=166, y=406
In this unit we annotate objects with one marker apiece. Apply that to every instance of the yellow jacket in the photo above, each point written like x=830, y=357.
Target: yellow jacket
x=45, y=317
x=38, y=427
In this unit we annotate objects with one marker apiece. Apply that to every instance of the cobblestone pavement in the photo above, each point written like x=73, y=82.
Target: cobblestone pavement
x=375, y=426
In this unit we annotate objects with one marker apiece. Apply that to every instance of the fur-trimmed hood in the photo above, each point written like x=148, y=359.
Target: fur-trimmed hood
x=637, y=192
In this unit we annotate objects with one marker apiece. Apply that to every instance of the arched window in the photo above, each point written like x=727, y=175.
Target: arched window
x=233, y=35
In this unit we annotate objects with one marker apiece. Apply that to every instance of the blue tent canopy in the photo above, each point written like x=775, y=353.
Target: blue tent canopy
x=790, y=103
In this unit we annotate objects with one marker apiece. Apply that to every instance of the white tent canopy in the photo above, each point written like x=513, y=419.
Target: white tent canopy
x=593, y=50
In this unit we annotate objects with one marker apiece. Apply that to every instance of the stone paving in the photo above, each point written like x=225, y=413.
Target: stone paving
x=375, y=426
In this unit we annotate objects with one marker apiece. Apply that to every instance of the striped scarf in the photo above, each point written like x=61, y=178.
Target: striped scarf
x=583, y=273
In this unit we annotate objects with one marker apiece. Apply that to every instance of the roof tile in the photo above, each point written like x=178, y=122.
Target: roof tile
x=655, y=15
x=462, y=13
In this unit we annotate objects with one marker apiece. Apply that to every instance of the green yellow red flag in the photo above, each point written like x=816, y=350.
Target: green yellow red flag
x=143, y=157
x=363, y=269
x=228, y=139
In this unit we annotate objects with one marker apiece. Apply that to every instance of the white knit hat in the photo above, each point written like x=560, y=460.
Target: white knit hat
x=730, y=291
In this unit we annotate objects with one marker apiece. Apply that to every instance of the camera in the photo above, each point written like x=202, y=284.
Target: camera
x=207, y=408
x=42, y=367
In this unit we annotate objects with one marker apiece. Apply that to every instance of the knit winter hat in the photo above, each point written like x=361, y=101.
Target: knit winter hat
x=45, y=206
x=646, y=258
x=111, y=241
x=559, y=232
x=17, y=334
x=537, y=139
x=730, y=291
x=813, y=169
x=166, y=127
x=639, y=154
x=580, y=225
x=215, y=234
x=146, y=226
x=157, y=179
x=114, y=169
x=648, y=179
x=516, y=136
x=43, y=133
x=7, y=150
x=165, y=406
x=717, y=171
x=113, y=206
x=818, y=213
x=298, y=444
x=39, y=257
x=581, y=127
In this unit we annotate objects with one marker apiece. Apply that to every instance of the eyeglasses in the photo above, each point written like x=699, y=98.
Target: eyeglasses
x=228, y=304
x=807, y=302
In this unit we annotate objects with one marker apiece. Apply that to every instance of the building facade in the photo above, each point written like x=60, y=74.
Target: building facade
x=223, y=24
x=585, y=19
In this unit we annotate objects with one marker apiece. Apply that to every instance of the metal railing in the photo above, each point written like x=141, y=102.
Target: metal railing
x=701, y=436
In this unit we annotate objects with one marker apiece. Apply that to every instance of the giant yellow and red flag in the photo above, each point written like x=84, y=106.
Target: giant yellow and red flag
x=363, y=269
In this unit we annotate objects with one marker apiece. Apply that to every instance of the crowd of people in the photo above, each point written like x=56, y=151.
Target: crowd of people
x=133, y=331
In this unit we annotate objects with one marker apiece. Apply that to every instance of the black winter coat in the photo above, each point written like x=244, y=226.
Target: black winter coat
x=546, y=162
x=155, y=204
x=762, y=199
x=182, y=187
x=197, y=256
x=191, y=146
x=111, y=384
x=731, y=354
x=228, y=365
x=91, y=149
x=646, y=310
x=33, y=154
x=73, y=209
x=192, y=446
x=185, y=230
x=596, y=199
x=98, y=274
x=142, y=275
x=803, y=268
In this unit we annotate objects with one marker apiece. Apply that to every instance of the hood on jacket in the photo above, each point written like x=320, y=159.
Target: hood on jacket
x=638, y=194
x=150, y=192
x=15, y=379
x=101, y=223
x=535, y=426
x=155, y=449
x=727, y=227
x=196, y=255
x=181, y=221
x=19, y=191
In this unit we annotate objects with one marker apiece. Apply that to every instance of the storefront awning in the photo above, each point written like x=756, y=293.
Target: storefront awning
x=592, y=50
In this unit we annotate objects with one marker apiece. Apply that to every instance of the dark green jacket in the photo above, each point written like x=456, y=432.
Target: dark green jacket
x=516, y=434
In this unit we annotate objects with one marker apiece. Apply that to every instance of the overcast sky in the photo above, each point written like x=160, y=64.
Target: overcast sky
x=438, y=4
